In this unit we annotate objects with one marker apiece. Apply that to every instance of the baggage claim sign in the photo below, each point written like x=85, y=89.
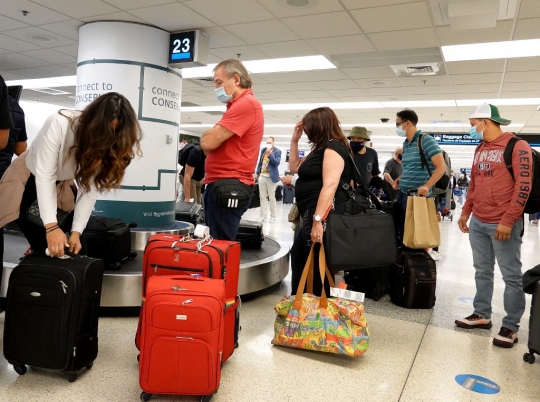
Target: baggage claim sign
x=148, y=190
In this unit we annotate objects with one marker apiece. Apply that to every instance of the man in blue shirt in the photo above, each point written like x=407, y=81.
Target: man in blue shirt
x=415, y=178
x=268, y=177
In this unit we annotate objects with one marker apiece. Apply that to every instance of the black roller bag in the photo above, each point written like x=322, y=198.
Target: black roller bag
x=373, y=282
x=250, y=234
x=279, y=193
x=255, y=200
x=413, y=280
x=288, y=195
x=52, y=314
x=189, y=212
x=108, y=239
x=534, y=326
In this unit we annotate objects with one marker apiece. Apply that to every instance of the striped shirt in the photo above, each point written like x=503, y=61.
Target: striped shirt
x=414, y=175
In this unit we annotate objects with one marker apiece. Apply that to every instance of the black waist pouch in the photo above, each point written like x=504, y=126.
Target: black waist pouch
x=232, y=193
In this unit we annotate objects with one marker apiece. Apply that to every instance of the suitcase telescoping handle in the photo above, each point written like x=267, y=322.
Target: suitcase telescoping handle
x=191, y=277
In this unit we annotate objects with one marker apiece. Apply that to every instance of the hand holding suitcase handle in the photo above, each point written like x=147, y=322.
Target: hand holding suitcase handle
x=66, y=256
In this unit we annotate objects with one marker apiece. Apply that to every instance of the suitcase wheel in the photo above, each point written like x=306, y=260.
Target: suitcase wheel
x=138, y=357
x=206, y=398
x=132, y=255
x=116, y=265
x=89, y=366
x=529, y=358
x=71, y=377
x=20, y=369
x=145, y=396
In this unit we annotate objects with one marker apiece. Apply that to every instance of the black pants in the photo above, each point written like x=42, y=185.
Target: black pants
x=299, y=254
x=35, y=234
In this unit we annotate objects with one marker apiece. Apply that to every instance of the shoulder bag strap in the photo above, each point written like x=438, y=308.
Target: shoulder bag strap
x=422, y=155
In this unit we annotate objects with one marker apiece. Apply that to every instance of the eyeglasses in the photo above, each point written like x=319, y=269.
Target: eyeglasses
x=400, y=123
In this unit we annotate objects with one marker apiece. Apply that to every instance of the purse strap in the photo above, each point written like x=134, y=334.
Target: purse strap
x=323, y=270
x=357, y=178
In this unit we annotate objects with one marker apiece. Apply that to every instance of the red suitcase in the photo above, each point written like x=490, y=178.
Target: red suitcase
x=220, y=259
x=182, y=336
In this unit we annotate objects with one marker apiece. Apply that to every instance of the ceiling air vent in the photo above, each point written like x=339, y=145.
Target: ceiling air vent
x=421, y=70
x=418, y=70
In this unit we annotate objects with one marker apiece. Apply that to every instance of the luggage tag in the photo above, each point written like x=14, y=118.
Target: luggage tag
x=347, y=294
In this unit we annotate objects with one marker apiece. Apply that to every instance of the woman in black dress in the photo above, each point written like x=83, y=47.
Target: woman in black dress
x=317, y=187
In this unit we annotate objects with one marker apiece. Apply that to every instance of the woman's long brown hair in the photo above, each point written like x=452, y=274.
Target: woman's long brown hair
x=102, y=151
x=322, y=125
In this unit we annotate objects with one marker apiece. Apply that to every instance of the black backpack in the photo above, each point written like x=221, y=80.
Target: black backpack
x=443, y=183
x=532, y=205
x=184, y=153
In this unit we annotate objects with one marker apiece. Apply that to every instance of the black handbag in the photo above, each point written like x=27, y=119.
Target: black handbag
x=32, y=214
x=232, y=193
x=364, y=235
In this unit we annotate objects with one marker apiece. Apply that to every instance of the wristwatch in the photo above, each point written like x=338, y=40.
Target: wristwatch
x=317, y=218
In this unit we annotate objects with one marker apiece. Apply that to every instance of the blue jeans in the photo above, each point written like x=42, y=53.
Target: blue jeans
x=508, y=254
x=223, y=222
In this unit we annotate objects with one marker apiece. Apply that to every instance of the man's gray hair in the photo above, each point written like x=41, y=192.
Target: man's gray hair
x=398, y=150
x=234, y=66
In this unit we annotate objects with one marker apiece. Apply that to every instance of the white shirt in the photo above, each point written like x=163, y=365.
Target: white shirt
x=49, y=162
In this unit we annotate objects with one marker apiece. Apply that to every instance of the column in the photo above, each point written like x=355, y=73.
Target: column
x=131, y=59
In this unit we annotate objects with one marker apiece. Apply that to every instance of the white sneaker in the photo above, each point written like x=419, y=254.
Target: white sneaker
x=263, y=219
x=272, y=219
x=435, y=255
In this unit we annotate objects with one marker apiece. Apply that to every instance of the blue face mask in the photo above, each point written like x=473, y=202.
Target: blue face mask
x=475, y=135
x=400, y=157
x=222, y=96
x=401, y=132
x=356, y=146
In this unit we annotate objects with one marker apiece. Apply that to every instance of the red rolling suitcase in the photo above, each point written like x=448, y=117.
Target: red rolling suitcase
x=182, y=336
x=219, y=259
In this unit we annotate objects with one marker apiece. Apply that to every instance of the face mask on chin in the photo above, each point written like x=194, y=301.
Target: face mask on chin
x=221, y=95
x=356, y=146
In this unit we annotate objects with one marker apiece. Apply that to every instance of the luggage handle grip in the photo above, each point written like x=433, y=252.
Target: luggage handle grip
x=68, y=255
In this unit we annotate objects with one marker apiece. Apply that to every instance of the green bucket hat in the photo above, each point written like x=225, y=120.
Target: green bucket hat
x=361, y=132
x=491, y=112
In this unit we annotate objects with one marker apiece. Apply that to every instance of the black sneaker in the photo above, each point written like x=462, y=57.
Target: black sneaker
x=474, y=321
x=505, y=338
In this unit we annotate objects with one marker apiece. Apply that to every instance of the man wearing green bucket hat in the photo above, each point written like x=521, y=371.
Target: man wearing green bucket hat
x=496, y=202
x=365, y=158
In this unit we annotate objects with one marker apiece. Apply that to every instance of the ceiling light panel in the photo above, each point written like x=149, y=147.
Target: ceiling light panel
x=287, y=64
x=492, y=50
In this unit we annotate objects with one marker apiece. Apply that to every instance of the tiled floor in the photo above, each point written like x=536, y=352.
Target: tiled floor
x=414, y=355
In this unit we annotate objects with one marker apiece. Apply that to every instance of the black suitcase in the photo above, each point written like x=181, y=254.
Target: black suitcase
x=414, y=280
x=279, y=193
x=189, y=212
x=255, y=200
x=373, y=282
x=108, y=239
x=250, y=234
x=534, y=326
x=52, y=314
x=288, y=195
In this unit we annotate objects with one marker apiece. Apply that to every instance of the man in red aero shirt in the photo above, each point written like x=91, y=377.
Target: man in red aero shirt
x=232, y=146
x=496, y=201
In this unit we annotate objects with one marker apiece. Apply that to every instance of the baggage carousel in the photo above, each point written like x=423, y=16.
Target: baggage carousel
x=260, y=269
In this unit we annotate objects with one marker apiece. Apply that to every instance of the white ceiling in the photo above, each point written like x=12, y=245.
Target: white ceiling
x=355, y=31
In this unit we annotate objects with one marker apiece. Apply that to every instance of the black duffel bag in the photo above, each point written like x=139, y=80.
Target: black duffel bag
x=364, y=235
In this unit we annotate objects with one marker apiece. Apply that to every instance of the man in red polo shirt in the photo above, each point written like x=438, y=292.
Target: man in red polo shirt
x=232, y=148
